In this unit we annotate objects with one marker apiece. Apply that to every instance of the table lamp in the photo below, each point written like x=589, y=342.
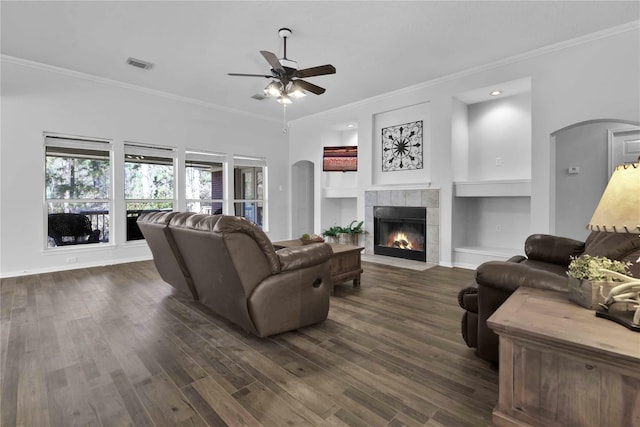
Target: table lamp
x=619, y=212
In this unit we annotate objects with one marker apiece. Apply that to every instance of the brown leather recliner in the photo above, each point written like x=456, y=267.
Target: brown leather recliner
x=545, y=267
x=228, y=264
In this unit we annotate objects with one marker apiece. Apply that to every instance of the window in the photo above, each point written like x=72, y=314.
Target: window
x=77, y=190
x=148, y=183
x=204, y=182
x=249, y=176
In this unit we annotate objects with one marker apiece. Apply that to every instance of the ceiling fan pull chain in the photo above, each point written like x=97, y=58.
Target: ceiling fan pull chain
x=284, y=118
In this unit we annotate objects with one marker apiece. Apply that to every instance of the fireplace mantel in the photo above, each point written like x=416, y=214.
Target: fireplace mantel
x=428, y=198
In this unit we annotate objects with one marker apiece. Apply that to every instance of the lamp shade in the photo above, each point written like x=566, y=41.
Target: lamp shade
x=619, y=207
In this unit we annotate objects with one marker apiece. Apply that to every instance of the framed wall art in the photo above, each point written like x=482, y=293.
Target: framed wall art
x=402, y=147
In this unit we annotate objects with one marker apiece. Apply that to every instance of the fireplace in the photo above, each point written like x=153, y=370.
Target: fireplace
x=400, y=231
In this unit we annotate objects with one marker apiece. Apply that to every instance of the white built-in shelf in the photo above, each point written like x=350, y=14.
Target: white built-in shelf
x=339, y=193
x=471, y=257
x=485, y=250
x=503, y=188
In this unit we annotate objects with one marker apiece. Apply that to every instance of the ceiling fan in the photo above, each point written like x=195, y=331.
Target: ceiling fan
x=286, y=77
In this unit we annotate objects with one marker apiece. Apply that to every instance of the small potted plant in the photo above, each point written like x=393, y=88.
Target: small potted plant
x=350, y=234
x=588, y=284
x=331, y=234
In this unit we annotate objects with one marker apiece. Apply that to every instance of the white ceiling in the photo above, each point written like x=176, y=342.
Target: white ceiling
x=376, y=46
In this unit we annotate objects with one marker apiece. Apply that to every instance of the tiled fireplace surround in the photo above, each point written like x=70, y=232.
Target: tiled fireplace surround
x=427, y=198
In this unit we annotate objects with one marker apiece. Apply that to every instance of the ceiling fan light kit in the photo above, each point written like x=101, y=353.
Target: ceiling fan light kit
x=287, y=83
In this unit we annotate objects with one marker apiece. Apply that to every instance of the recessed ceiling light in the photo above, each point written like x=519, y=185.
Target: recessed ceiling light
x=495, y=93
x=351, y=125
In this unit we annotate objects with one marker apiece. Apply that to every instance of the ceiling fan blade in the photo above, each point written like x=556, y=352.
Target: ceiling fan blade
x=310, y=87
x=316, y=71
x=249, y=75
x=273, y=61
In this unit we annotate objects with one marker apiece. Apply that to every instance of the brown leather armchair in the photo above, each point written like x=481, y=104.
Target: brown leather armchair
x=228, y=264
x=545, y=266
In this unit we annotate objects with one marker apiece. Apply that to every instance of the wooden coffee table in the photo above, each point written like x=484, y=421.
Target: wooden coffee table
x=345, y=261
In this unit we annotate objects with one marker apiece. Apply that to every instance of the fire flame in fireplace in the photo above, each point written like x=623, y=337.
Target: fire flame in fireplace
x=400, y=241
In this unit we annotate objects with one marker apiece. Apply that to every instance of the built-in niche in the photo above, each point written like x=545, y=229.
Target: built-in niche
x=412, y=119
x=338, y=202
x=491, y=150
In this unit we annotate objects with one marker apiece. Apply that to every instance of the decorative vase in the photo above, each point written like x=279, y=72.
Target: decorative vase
x=588, y=294
x=344, y=238
x=331, y=239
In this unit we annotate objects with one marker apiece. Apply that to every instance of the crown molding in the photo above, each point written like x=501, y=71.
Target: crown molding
x=631, y=26
x=115, y=83
x=609, y=32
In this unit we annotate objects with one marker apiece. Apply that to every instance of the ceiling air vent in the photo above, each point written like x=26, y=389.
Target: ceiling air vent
x=139, y=63
x=258, y=97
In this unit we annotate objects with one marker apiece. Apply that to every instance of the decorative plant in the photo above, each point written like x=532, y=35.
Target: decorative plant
x=313, y=237
x=351, y=229
x=332, y=231
x=587, y=267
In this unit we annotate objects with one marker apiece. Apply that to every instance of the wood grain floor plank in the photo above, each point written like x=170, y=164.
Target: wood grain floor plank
x=115, y=345
x=166, y=405
x=224, y=404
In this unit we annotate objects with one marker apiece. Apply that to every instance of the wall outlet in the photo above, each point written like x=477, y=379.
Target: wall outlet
x=72, y=259
x=498, y=161
x=498, y=227
x=573, y=170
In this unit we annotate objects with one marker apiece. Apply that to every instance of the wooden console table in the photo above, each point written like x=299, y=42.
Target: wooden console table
x=345, y=261
x=560, y=365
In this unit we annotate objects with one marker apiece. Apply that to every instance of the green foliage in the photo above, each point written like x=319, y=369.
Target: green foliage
x=349, y=229
x=332, y=231
x=76, y=178
x=587, y=267
x=354, y=229
x=304, y=236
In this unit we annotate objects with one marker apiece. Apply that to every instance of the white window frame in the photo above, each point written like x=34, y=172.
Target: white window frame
x=194, y=156
x=248, y=161
x=138, y=149
x=82, y=143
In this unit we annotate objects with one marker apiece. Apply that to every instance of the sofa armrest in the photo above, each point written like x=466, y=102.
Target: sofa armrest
x=298, y=257
x=468, y=297
x=510, y=276
x=552, y=249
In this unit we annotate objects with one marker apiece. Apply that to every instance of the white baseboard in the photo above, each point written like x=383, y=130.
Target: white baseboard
x=8, y=274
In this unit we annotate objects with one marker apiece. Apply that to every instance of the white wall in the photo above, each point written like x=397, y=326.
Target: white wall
x=38, y=100
x=500, y=129
x=585, y=147
x=585, y=79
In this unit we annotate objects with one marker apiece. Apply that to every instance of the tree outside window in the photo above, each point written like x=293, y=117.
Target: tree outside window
x=148, y=183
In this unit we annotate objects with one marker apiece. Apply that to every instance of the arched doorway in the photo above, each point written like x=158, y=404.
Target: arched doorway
x=302, y=197
x=584, y=153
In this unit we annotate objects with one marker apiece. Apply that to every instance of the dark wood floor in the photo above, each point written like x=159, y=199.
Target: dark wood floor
x=116, y=346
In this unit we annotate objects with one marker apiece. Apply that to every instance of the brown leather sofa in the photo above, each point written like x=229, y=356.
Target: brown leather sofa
x=228, y=264
x=544, y=266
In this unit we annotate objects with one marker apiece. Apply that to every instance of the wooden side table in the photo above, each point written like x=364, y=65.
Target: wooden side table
x=560, y=365
x=345, y=262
